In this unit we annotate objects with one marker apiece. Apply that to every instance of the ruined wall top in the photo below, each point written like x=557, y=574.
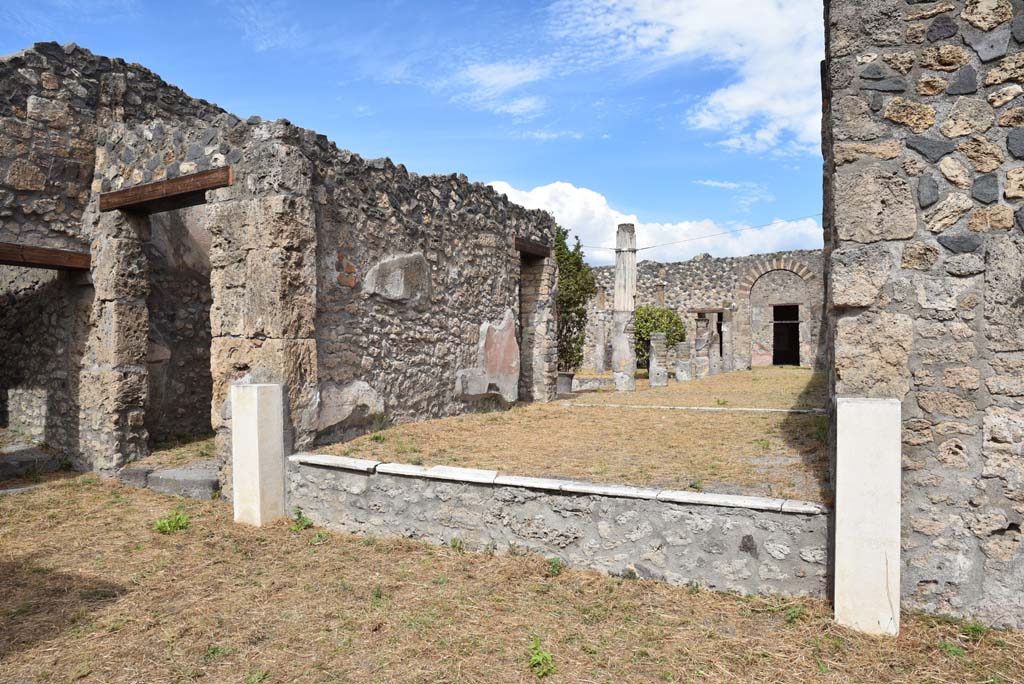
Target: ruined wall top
x=59, y=103
x=703, y=282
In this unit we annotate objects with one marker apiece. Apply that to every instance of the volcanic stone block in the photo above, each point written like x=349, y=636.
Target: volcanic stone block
x=931, y=149
x=1015, y=142
x=964, y=83
x=927, y=191
x=986, y=188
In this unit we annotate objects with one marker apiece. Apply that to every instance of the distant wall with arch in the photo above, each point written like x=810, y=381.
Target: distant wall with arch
x=742, y=291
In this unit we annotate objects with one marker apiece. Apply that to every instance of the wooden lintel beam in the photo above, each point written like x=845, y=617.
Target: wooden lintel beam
x=532, y=247
x=165, y=195
x=13, y=254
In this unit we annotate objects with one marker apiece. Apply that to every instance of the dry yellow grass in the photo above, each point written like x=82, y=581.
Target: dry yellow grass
x=181, y=452
x=767, y=387
x=90, y=593
x=769, y=454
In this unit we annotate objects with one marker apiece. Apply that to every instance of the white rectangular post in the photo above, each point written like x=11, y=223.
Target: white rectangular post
x=867, y=514
x=257, y=453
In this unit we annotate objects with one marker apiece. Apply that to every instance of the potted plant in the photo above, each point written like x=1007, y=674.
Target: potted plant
x=575, y=288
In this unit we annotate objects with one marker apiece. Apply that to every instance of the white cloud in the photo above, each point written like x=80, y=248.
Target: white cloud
x=268, y=25
x=586, y=213
x=492, y=86
x=773, y=47
x=545, y=135
x=745, y=193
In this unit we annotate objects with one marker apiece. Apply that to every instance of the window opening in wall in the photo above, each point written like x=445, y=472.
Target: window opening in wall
x=786, y=337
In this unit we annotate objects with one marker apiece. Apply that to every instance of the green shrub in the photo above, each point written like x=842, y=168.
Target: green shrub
x=652, y=319
x=575, y=288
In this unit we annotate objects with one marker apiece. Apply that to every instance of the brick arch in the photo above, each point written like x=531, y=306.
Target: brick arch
x=761, y=268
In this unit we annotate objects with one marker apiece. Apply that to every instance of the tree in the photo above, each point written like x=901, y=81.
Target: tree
x=575, y=288
x=652, y=319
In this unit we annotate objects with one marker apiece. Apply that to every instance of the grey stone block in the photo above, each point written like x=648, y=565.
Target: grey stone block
x=988, y=45
x=888, y=85
x=944, y=26
x=1018, y=28
x=197, y=481
x=874, y=72
x=1015, y=142
x=134, y=476
x=986, y=188
x=963, y=265
x=964, y=83
x=931, y=149
x=960, y=242
x=927, y=191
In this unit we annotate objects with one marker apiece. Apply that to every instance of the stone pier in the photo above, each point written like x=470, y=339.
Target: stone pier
x=658, y=364
x=623, y=346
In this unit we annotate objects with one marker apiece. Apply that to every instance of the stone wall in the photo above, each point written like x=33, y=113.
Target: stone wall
x=418, y=284
x=749, y=546
x=922, y=148
x=708, y=283
x=372, y=293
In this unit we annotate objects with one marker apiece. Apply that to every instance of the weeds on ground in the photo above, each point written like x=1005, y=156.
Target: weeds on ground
x=257, y=677
x=457, y=545
x=319, y=539
x=952, y=649
x=555, y=566
x=302, y=522
x=795, y=614
x=721, y=402
x=542, y=662
x=213, y=652
x=380, y=423
x=175, y=521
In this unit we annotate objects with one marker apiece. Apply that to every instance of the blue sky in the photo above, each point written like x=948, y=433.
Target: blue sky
x=686, y=117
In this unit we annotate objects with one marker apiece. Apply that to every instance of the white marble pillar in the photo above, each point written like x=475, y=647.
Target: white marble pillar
x=867, y=515
x=624, y=305
x=257, y=453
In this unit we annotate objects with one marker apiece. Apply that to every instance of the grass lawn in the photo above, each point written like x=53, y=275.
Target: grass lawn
x=767, y=454
x=90, y=593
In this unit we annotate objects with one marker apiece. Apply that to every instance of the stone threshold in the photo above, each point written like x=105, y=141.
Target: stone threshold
x=819, y=412
x=491, y=477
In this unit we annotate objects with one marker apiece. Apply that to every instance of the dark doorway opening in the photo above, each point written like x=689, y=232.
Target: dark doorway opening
x=786, y=339
x=721, y=337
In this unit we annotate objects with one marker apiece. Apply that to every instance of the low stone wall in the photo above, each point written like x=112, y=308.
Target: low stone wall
x=730, y=543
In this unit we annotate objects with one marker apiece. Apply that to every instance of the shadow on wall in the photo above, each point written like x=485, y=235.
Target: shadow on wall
x=37, y=603
x=807, y=435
